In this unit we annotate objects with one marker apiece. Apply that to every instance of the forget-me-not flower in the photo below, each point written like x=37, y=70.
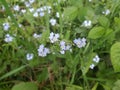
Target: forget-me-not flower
x=6, y=26
x=80, y=42
x=54, y=37
x=29, y=56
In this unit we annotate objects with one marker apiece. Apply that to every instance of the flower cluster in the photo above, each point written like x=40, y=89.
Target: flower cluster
x=53, y=21
x=64, y=47
x=42, y=51
x=53, y=37
x=8, y=38
x=96, y=59
x=80, y=42
x=87, y=23
x=106, y=12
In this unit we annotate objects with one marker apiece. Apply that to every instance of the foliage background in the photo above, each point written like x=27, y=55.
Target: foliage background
x=56, y=71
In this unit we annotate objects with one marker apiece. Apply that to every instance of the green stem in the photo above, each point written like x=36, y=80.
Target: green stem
x=73, y=76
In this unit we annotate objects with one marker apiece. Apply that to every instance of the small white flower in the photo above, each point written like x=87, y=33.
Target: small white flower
x=8, y=38
x=41, y=14
x=23, y=10
x=90, y=0
x=53, y=37
x=96, y=59
x=62, y=52
x=35, y=14
x=64, y=47
x=27, y=4
x=87, y=23
x=53, y=22
x=31, y=10
x=6, y=26
x=31, y=1
x=57, y=14
x=106, y=12
x=20, y=25
x=16, y=8
x=35, y=35
x=80, y=42
x=3, y=8
x=29, y=56
x=92, y=66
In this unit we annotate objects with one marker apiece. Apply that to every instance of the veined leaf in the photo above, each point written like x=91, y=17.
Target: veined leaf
x=70, y=13
x=96, y=32
x=25, y=86
x=104, y=21
x=115, y=56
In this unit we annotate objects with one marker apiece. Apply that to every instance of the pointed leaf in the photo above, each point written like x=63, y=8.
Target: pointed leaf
x=96, y=32
x=115, y=56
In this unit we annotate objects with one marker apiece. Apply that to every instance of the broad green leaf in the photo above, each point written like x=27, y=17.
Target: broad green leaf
x=116, y=85
x=82, y=11
x=87, y=62
x=12, y=72
x=70, y=13
x=25, y=86
x=96, y=32
x=115, y=56
x=104, y=21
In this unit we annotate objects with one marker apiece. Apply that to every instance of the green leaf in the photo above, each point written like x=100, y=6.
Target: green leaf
x=96, y=32
x=116, y=85
x=43, y=75
x=95, y=86
x=87, y=62
x=115, y=56
x=74, y=87
x=104, y=21
x=25, y=86
x=70, y=13
x=12, y=72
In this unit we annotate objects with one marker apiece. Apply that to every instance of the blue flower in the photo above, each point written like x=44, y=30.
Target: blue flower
x=42, y=51
x=80, y=42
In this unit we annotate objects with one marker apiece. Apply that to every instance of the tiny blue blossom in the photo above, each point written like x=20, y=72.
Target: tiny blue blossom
x=31, y=1
x=53, y=37
x=80, y=42
x=42, y=51
x=53, y=22
x=16, y=8
x=27, y=4
x=96, y=59
x=64, y=47
x=35, y=35
x=31, y=10
x=8, y=38
x=92, y=66
x=6, y=26
x=29, y=56
x=35, y=14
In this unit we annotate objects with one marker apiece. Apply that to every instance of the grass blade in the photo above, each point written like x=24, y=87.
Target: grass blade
x=12, y=72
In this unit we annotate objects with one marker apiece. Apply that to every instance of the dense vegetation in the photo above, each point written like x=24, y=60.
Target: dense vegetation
x=59, y=44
